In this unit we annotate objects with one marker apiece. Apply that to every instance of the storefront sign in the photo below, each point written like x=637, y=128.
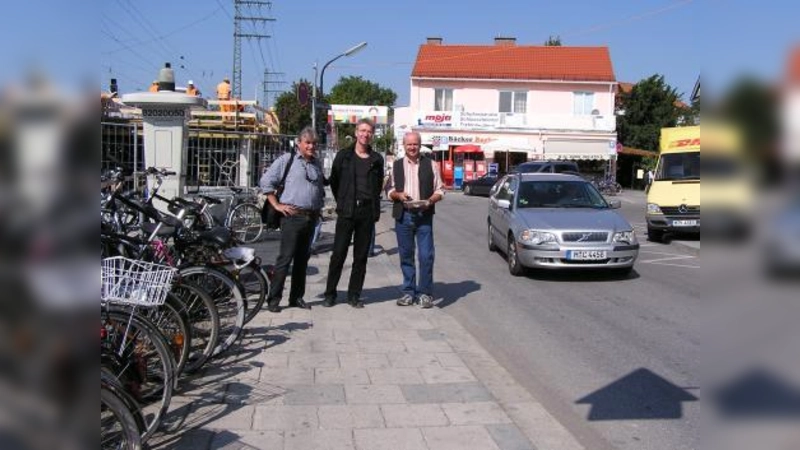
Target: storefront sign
x=353, y=113
x=476, y=120
x=435, y=119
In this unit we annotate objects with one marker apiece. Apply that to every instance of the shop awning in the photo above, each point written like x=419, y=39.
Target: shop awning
x=469, y=148
x=579, y=149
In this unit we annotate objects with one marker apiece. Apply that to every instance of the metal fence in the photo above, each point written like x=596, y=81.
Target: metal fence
x=214, y=158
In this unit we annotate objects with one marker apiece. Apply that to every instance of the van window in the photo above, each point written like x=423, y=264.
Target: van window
x=679, y=166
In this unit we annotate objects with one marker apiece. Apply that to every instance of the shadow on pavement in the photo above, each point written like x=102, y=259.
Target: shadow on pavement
x=452, y=292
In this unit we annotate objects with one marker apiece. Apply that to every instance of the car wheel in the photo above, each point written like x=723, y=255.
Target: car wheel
x=467, y=190
x=514, y=266
x=492, y=247
x=654, y=235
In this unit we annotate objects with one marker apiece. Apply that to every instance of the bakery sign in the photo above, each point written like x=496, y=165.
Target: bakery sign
x=441, y=141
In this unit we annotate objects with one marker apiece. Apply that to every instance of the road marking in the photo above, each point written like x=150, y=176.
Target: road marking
x=670, y=264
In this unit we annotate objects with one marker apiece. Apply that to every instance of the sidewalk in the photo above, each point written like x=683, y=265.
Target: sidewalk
x=381, y=377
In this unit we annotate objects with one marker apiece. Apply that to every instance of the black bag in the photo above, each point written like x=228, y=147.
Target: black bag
x=269, y=215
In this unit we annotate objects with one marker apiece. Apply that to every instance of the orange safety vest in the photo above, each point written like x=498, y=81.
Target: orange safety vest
x=153, y=88
x=224, y=91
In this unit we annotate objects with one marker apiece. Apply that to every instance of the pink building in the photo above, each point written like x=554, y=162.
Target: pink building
x=507, y=103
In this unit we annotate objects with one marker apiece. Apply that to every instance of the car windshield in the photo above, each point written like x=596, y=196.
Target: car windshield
x=679, y=166
x=559, y=194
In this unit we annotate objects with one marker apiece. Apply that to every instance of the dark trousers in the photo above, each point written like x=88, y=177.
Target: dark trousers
x=296, y=232
x=359, y=225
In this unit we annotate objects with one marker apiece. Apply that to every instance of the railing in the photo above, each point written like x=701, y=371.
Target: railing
x=215, y=158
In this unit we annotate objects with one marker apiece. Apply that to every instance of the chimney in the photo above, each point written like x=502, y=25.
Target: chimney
x=505, y=41
x=434, y=41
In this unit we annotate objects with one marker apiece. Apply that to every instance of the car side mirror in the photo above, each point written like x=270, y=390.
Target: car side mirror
x=504, y=204
x=615, y=204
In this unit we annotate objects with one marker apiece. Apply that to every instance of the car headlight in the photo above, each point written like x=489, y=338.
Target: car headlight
x=625, y=237
x=652, y=208
x=537, y=237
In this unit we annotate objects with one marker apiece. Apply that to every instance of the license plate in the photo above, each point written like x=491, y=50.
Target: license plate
x=684, y=223
x=586, y=255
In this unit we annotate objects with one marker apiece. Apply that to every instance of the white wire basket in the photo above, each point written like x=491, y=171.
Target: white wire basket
x=135, y=282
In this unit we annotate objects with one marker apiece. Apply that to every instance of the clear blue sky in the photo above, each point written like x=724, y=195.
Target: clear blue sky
x=677, y=38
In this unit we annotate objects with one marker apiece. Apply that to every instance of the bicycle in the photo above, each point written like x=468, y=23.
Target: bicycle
x=242, y=213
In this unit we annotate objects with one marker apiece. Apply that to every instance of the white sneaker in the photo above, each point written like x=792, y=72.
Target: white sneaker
x=405, y=300
x=425, y=301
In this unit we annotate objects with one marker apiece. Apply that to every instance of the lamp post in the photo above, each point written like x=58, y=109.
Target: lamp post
x=349, y=52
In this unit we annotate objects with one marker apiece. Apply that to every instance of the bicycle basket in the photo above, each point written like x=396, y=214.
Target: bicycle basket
x=135, y=282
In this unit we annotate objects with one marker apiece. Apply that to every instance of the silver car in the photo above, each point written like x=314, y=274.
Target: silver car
x=558, y=221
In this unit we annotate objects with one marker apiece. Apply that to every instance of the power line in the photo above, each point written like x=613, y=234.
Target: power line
x=238, y=34
x=629, y=19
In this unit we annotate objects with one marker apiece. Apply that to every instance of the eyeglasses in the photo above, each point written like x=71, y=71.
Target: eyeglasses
x=309, y=176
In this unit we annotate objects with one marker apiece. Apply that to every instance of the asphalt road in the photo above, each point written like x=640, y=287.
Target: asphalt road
x=615, y=360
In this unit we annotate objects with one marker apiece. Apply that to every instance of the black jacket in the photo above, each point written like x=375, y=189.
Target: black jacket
x=343, y=181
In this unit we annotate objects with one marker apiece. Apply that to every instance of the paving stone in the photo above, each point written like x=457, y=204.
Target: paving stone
x=313, y=360
x=314, y=394
x=354, y=335
x=480, y=413
x=247, y=440
x=397, y=335
x=381, y=347
x=433, y=374
x=221, y=417
x=395, y=375
x=445, y=393
x=285, y=417
x=414, y=416
x=390, y=439
x=373, y=394
x=319, y=440
x=324, y=375
x=363, y=360
x=289, y=375
x=428, y=346
x=508, y=437
x=540, y=427
x=413, y=360
x=458, y=438
x=350, y=416
x=431, y=335
x=450, y=360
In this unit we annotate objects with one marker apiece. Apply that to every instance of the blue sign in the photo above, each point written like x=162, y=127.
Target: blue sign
x=493, y=168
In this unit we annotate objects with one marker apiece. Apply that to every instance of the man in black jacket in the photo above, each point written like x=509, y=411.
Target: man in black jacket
x=356, y=181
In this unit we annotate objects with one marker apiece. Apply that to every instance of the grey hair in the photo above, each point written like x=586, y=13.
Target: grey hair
x=410, y=133
x=308, y=133
x=366, y=121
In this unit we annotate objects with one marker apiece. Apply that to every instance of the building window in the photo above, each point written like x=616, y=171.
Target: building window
x=513, y=102
x=443, y=99
x=584, y=103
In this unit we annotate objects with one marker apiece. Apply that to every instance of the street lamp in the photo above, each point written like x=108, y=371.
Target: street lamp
x=349, y=52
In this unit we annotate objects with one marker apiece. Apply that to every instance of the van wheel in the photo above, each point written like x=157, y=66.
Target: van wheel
x=514, y=266
x=654, y=235
x=467, y=190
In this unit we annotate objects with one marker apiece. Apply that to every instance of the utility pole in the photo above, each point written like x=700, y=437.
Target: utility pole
x=238, y=19
x=314, y=100
x=266, y=90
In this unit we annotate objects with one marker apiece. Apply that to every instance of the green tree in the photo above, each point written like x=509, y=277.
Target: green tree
x=752, y=107
x=292, y=115
x=355, y=90
x=553, y=41
x=649, y=106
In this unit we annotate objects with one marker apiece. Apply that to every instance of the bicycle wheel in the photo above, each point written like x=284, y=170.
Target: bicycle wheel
x=203, y=322
x=227, y=296
x=173, y=323
x=245, y=222
x=143, y=363
x=118, y=428
x=255, y=282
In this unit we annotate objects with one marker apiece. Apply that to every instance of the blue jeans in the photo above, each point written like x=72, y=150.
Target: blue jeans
x=416, y=227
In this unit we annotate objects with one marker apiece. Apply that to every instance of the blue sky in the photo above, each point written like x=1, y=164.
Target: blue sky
x=677, y=38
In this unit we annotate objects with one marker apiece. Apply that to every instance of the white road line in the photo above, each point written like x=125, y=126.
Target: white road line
x=667, y=254
x=672, y=258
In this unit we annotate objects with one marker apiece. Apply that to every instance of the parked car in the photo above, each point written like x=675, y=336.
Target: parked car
x=546, y=167
x=557, y=221
x=480, y=186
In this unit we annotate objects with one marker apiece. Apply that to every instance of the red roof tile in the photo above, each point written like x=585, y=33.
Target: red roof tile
x=793, y=72
x=514, y=62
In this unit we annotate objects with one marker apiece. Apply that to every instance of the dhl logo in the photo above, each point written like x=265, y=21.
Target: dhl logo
x=680, y=143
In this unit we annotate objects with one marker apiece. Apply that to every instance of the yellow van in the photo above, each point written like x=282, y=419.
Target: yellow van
x=673, y=196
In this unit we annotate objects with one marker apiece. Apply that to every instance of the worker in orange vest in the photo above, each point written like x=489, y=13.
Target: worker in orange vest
x=224, y=94
x=153, y=87
x=191, y=89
